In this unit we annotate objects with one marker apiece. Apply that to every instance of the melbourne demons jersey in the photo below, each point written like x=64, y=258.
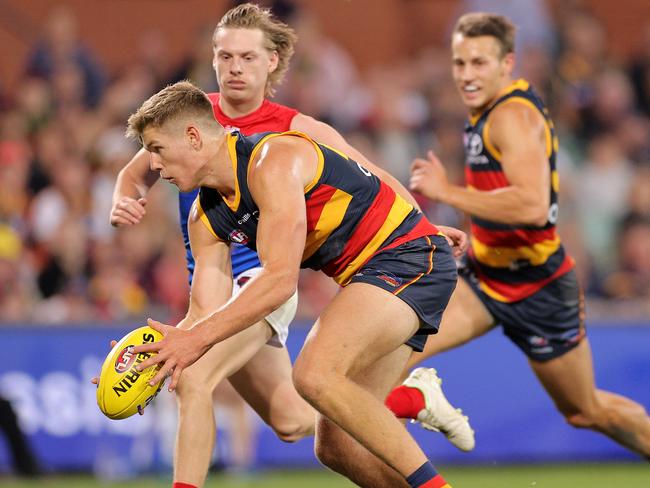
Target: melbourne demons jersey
x=511, y=261
x=351, y=214
x=268, y=117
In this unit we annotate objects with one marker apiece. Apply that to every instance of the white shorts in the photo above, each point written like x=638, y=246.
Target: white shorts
x=279, y=319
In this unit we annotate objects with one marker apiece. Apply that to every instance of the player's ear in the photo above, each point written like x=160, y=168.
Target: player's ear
x=273, y=62
x=509, y=63
x=193, y=135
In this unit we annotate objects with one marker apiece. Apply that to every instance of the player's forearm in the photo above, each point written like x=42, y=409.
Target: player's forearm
x=262, y=295
x=135, y=179
x=508, y=205
x=187, y=322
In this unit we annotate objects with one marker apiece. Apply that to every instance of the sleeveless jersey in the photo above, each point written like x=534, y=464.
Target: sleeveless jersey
x=269, y=117
x=351, y=214
x=512, y=261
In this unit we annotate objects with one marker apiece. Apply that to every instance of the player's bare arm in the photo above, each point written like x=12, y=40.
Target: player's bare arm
x=519, y=135
x=326, y=134
x=133, y=183
x=212, y=281
x=276, y=180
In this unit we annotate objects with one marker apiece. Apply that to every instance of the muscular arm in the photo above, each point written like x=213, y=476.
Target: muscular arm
x=276, y=181
x=212, y=280
x=518, y=133
x=321, y=132
x=133, y=182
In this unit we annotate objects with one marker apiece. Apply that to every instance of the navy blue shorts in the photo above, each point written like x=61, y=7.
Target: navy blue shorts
x=421, y=272
x=546, y=324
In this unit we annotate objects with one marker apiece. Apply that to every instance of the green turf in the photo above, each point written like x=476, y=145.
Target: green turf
x=636, y=475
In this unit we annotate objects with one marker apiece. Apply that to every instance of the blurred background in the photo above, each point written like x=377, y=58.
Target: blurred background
x=377, y=70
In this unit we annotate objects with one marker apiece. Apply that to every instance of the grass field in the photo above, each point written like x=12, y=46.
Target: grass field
x=635, y=475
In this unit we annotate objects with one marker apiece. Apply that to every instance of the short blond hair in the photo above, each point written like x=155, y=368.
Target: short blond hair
x=173, y=101
x=278, y=36
x=477, y=24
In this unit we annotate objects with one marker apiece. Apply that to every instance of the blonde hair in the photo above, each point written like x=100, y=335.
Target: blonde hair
x=278, y=36
x=477, y=24
x=173, y=101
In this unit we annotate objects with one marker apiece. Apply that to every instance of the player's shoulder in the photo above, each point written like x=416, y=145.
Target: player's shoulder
x=214, y=97
x=274, y=107
x=515, y=110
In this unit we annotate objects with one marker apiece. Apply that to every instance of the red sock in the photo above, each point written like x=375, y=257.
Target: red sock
x=178, y=484
x=405, y=402
x=437, y=482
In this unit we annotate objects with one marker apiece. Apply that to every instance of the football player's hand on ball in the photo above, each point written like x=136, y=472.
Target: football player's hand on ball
x=95, y=379
x=179, y=349
x=122, y=390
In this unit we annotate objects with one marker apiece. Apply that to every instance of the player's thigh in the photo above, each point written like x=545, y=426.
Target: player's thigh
x=224, y=394
x=378, y=378
x=265, y=381
x=226, y=357
x=362, y=324
x=464, y=319
x=569, y=379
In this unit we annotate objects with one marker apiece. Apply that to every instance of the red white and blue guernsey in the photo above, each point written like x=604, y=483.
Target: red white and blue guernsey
x=268, y=117
x=351, y=214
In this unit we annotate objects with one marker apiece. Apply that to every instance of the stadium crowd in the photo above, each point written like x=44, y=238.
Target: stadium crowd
x=62, y=144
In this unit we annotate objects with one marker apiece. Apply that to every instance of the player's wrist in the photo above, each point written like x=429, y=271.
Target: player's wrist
x=446, y=193
x=204, y=334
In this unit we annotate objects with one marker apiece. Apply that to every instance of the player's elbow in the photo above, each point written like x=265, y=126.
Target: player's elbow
x=285, y=283
x=538, y=216
x=534, y=211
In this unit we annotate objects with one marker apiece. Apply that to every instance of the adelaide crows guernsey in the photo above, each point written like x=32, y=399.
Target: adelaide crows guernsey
x=512, y=261
x=351, y=214
x=268, y=117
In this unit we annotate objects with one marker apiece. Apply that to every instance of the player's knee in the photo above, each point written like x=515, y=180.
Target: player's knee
x=329, y=454
x=582, y=419
x=310, y=384
x=289, y=430
x=192, y=387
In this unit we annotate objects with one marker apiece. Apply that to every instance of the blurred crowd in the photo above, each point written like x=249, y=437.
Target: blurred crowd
x=62, y=145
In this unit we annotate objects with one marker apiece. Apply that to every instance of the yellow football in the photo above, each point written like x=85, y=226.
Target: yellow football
x=122, y=391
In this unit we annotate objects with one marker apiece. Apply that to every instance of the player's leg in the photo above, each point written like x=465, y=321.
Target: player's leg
x=361, y=325
x=464, y=319
x=196, y=432
x=569, y=380
x=339, y=451
x=241, y=427
x=420, y=396
x=265, y=383
x=196, y=425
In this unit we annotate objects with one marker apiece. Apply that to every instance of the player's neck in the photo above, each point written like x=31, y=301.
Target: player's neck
x=218, y=172
x=235, y=109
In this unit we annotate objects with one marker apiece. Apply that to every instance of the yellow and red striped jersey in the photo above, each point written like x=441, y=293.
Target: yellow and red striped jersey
x=351, y=214
x=512, y=261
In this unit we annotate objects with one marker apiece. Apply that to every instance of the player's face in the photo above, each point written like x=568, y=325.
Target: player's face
x=480, y=70
x=242, y=63
x=172, y=155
